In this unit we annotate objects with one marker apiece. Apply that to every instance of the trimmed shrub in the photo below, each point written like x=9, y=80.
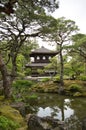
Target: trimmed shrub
x=75, y=88
x=22, y=83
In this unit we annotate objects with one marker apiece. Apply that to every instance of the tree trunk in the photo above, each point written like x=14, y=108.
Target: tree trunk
x=6, y=79
x=61, y=88
x=14, y=68
x=61, y=68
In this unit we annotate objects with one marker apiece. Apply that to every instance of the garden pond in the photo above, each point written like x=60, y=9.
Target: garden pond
x=71, y=110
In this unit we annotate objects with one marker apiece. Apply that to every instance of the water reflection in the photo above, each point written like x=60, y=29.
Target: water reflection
x=43, y=112
x=55, y=112
x=70, y=110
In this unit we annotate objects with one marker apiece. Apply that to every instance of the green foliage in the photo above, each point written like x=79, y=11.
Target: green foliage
x=27, y=71
x=20, y=88
x=45, y=79
x=83, y=78
x=30, y=98
x=79, y=45
x=34, y=96
x=72, y=68
x=40, y=71
x=22, y=83
x=20, y=60
x=51, y=68
x=65, y=28
x=20, y=75
x=7, y=124
x=57, y=78
x=75, y=88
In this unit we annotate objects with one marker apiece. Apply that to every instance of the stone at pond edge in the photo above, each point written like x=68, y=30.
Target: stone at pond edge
x=84, y=124
x=44, y=123
x=20, y=106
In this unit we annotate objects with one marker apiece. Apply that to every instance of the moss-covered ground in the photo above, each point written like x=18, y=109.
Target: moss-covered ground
x=76, y=88
x=71, y=87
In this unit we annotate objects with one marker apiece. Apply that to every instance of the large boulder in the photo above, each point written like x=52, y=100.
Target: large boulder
x=84, y=124
x=44, y=123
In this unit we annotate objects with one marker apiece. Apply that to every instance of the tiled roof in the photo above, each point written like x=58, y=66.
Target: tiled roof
x=43, y=50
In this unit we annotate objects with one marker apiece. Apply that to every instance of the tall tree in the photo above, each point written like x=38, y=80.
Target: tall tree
x=6, y=78
x=59, y=32
x=26, y=22
x=79, y=44
x=79, y=47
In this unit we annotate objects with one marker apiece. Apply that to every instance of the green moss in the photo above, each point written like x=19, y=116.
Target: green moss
x=1, y=98
x=75, y=88
x=22, y=128
x=8, y=124
x=11, y=113
x=71, y=87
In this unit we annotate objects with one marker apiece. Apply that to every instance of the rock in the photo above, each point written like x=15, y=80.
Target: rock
x=19, y=106
x=44, y=123
x=84, y=124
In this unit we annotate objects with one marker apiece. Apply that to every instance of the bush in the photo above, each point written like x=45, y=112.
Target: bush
x=27, y=71
x=7, y=124
x=31, y=99
x=45, y=79
x=75, y=88
x=83, y=78
x=57, y=79
x=20, y=88
x=20, y=75
x=22, y=83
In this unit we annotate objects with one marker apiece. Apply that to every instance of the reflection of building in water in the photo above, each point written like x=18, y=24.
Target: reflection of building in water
x=40, y=58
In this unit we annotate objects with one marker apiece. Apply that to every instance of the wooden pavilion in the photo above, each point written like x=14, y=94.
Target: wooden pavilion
x=41, y=57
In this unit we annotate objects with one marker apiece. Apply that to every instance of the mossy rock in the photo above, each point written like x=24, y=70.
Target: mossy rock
x=75, y=88
x=22, y=128
x=12, y=114
x=1, y=98
x=77, y=94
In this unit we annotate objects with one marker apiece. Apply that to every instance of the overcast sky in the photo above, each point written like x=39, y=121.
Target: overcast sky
x=74, y=10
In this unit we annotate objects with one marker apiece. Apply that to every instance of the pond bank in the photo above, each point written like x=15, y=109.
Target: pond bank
x=25, y=96
x=10, y=118
x=74, y=88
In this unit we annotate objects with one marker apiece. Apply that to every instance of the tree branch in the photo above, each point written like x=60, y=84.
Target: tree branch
x=7, y=7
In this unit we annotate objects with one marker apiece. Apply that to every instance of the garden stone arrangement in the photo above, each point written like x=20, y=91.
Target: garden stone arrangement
x=44, y=123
